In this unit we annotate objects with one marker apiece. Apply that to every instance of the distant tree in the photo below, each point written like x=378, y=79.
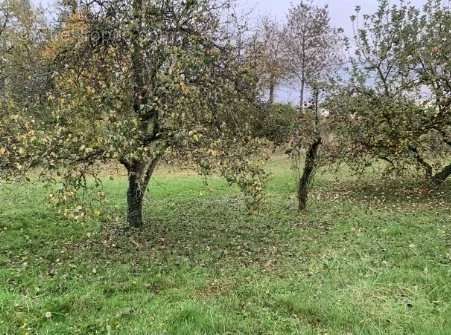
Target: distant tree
x=271, y=65
x=311, y=46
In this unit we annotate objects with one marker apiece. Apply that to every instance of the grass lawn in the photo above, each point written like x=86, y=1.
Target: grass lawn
x=368, y=258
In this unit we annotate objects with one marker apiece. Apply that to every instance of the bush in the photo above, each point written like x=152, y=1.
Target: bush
x=276, y=123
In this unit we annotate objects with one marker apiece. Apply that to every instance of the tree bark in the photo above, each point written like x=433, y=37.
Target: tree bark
x=307, y=175
x=311, y=158
x=425, y=165
x=135, y=205
x=272, y=88
x=301, y=98
x=139, y=175
x=441, y=176
x=135, y=197
x=139, y=171
x=303, y=79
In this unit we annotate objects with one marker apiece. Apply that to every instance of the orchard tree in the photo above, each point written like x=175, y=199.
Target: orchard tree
x=426, y=38
x=312, y=51
x=311, y=46
x=397, y=106
x=138, y=81
x=270, y=61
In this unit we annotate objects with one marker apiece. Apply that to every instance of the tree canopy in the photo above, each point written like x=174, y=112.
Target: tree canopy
x=396, y=106
x=139, y=81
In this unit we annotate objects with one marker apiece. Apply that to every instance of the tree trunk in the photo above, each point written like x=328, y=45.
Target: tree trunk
x=303, y=78
x=135, y=197
x=301, y=100
x=139, y=171
x=311, y=158
x=307, y=175
x=272, y=88
x=425, y=165
x=139, y=175
x=441, y=176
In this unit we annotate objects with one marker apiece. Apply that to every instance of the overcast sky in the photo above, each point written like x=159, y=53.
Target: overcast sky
x=340, y=10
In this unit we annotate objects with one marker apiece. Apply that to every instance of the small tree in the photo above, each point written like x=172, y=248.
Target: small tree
x=311, y=46
x=312, y=52
x=271, y=67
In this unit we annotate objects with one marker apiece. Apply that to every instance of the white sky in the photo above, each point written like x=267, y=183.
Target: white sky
x=340, y=10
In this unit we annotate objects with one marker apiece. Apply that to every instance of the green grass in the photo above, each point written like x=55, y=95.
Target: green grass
x=368, y=258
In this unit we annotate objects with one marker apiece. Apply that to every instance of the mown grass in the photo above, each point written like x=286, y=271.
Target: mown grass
x=368, y=258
